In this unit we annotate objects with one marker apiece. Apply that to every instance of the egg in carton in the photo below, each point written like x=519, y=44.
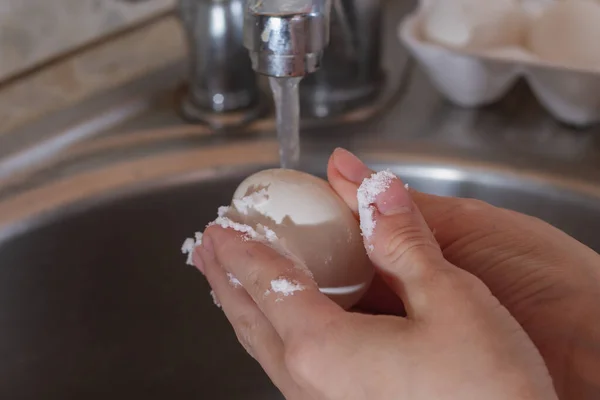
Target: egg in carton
x=474, y=51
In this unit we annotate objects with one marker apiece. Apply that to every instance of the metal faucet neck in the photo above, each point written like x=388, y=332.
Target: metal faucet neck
x=285, y=38
x=286, y=45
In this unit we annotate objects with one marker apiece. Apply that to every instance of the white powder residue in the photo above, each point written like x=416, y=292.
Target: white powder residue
x=266, y=236
x=189, y=245
x=234, y=281
x=214, y=298
x=259, y=233
x=225, y=222
x=188, y=248
x=285, y=287
x=367, y=195
x=223, y=210
x=247, y=203
x=269, y=234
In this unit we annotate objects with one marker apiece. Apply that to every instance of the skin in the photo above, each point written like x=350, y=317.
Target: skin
x=456, y=315
x=547, y=280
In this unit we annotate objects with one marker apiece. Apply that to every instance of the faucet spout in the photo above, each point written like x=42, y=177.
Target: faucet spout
x=286, y=38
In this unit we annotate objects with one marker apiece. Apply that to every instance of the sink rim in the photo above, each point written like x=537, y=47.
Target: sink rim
x=51, y=200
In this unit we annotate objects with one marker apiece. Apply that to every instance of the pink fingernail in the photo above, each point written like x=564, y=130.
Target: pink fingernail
x=395, y=199
x=386, y=192
x=350, y=166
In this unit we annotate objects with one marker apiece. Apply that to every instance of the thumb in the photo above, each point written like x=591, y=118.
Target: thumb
x=401, y=245
x=394, y=231
x=398, y=240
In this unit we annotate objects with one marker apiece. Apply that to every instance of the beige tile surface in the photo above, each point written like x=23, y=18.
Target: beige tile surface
x=101, y=67
x=32, y=31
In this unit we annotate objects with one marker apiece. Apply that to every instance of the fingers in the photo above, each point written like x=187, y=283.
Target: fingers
x=402, y=245
x=399, y=240
x=345, y=172
x=345, y=175
x=253, y=330
x=284, y=292
x=380, y=299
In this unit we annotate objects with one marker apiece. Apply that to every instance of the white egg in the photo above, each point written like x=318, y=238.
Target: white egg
x=566, y=33
x=474, y=24
x=311, y=222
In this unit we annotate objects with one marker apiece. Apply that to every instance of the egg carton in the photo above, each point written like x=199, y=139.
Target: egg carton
x=479, y=78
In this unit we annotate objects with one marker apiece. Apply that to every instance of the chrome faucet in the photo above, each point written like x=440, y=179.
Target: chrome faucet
x=286, y=38
x=221, y=90
x=335, y=44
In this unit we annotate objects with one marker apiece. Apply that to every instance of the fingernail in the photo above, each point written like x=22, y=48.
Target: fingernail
x=395, y=199
x=207, y=245
x=198, y=261
x=350, y=166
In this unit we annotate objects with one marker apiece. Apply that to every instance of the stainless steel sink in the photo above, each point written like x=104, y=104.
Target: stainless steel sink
x=96, y=301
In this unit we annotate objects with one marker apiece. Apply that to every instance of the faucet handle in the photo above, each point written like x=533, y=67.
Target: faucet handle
x=351, y=73
x=222, y=88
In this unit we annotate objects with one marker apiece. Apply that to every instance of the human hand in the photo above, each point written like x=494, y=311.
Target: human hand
x=546, y=279
x=456, y=342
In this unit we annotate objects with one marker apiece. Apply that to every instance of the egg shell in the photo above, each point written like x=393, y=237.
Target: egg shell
x=313, y=223
x=566, y=33
x=474, y=24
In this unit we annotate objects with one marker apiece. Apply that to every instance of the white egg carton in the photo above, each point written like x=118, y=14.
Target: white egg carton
x=478, y=78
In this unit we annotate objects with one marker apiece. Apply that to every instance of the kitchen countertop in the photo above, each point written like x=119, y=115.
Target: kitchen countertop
x=139, y=74
x=35, y=31
x=82, y=74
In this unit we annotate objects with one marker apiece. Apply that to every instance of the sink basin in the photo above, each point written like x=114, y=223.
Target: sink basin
x=96, y=301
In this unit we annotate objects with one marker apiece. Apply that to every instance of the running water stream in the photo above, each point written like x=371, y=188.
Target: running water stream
x=287, y=104
x=285, y=89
